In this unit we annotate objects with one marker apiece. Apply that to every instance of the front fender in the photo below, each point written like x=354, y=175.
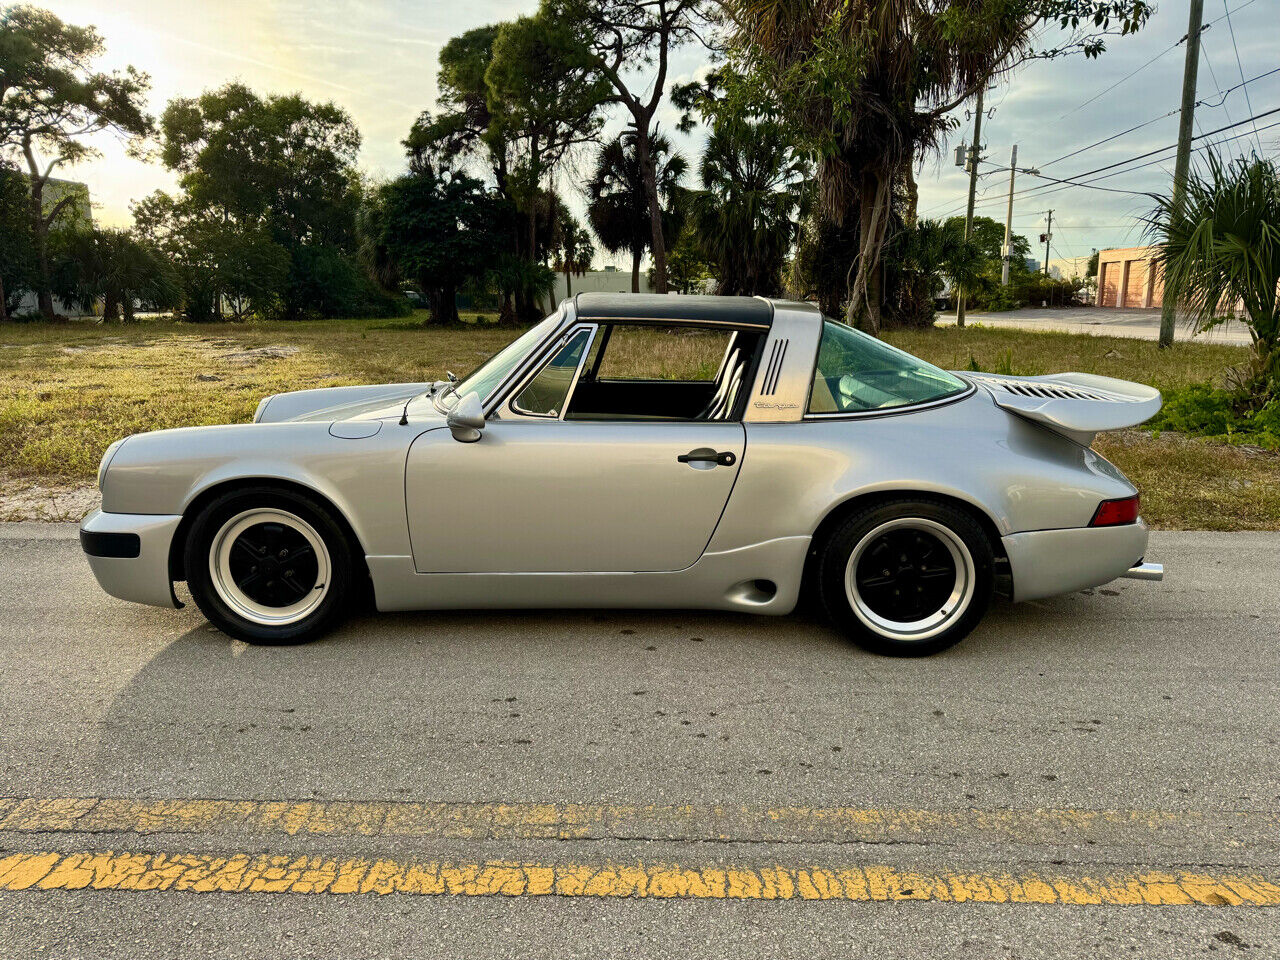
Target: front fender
x=165, y=471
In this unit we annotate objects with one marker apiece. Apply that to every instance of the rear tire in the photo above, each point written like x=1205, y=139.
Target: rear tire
x=906, y=578
x=269, y=566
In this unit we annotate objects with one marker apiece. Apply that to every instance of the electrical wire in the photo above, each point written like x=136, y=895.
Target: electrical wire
x=1162, y=53
x=1058, y=185
x=1240, y=67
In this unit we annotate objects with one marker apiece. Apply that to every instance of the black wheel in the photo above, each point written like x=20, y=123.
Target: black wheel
x=907, y=578
x=267, y=565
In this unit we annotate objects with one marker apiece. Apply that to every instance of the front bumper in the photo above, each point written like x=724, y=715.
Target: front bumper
x=129, y=555
x=1045, y=563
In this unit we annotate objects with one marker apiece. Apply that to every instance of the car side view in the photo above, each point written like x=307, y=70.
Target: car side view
x=639, y=451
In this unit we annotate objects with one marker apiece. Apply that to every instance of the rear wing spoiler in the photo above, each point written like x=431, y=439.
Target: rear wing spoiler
x=1077, y=405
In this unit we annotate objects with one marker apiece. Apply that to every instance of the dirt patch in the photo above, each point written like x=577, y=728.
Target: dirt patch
x=25, y=499
x=245, y=358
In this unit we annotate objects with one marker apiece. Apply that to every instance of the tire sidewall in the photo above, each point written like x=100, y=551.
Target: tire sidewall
x=834, y=560
x=199, y=542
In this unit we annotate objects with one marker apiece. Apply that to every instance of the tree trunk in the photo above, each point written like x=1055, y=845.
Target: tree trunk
x=635, y=270
x=865, y=294
x=4, y=310
x=450, y=294
x=44, y=291
x=568, y=285
x=913, y=196
x=649, y=169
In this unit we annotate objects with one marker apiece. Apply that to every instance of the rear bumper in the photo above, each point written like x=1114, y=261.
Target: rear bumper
x=129, y=555
x=1045, y=563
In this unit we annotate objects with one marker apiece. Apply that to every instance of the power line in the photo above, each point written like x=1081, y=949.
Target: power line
x=1162, y=53
x=1213, y=76
x=1240, y=67
x=1061, y=184
x=1049, y=189
x=1126, y=77
x=1072, y=181
x=1114, y=136
x=1149, y=153
x=1222, y=96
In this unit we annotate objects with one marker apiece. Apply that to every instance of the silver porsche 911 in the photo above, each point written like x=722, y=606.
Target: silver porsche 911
x=639, y=451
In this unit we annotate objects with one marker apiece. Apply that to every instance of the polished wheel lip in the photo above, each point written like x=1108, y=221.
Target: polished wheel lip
x=236, y=599
x=952, y=609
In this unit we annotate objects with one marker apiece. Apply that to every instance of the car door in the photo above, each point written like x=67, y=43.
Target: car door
x=539, y=493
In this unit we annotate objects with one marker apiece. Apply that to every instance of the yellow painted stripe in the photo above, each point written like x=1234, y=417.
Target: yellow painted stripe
x=250, y=873
x=575, y=821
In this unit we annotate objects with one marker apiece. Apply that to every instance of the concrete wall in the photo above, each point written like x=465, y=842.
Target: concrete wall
x=602, y=281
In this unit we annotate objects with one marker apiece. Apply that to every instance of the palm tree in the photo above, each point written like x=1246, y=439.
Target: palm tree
x=114, y=267
x=574, y=250
x=870, y=86
x=1221, y=246
x=618, y=203
x=753, y=181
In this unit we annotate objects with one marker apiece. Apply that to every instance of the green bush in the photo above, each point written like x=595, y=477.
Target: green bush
x=1203, y=410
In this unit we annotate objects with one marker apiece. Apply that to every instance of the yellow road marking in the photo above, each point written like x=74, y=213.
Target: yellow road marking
x=576, y=821
x=294, y=874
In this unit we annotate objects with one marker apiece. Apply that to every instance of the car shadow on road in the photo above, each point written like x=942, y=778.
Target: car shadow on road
x=206, y=711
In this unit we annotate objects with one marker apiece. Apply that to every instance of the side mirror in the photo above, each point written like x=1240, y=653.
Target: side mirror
x=466, y=419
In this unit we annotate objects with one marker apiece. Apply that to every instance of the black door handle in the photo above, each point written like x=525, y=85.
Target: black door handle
x=725, y=459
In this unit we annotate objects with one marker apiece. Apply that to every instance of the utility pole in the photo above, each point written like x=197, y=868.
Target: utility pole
x=1189, y=70
x=1008, y=220
x=1048, y=236
x=974, y=152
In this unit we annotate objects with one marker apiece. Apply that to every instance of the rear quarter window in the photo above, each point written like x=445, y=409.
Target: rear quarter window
x=856, y=373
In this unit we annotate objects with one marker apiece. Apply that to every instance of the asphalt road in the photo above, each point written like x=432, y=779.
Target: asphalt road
x=1096, y=754
x=1136, y=323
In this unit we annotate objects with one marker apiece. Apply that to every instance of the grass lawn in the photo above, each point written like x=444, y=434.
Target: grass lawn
x=67, y=390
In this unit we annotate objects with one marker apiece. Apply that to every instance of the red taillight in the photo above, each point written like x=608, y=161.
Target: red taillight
x=1111, y=513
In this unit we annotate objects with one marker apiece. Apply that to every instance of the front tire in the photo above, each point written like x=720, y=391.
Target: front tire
x=269, y=566
x=907, y=578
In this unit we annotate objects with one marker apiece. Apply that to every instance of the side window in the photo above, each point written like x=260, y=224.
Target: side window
x=689, y=354
x=856, y=372
x=545, y=394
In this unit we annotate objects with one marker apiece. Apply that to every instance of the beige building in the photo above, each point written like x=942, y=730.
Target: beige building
x=1129, y=277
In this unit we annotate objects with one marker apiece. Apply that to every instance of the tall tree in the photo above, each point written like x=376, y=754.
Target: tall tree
x=463, y=127
x=629, y=44
x=51, y=100
x=543, y=103
x=224, y=269
x=17, y=241
x=870, y=84
x=619, y=198
x=436, y=230
x=281, y=167
x=518, y=98
x=753, y=182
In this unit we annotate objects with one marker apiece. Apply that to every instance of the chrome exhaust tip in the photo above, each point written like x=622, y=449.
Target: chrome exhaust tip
x=1145, y=571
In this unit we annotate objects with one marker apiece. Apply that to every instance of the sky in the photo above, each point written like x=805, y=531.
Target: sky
x=377, y=59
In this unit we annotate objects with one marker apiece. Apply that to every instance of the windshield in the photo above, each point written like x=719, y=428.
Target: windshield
x=486, y=377
x=856, y=372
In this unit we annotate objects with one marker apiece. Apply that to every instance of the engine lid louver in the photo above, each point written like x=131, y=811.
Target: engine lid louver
x=1078, y=405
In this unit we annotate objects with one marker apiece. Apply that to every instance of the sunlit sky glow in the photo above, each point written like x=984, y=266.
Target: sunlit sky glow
x=377, y=59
